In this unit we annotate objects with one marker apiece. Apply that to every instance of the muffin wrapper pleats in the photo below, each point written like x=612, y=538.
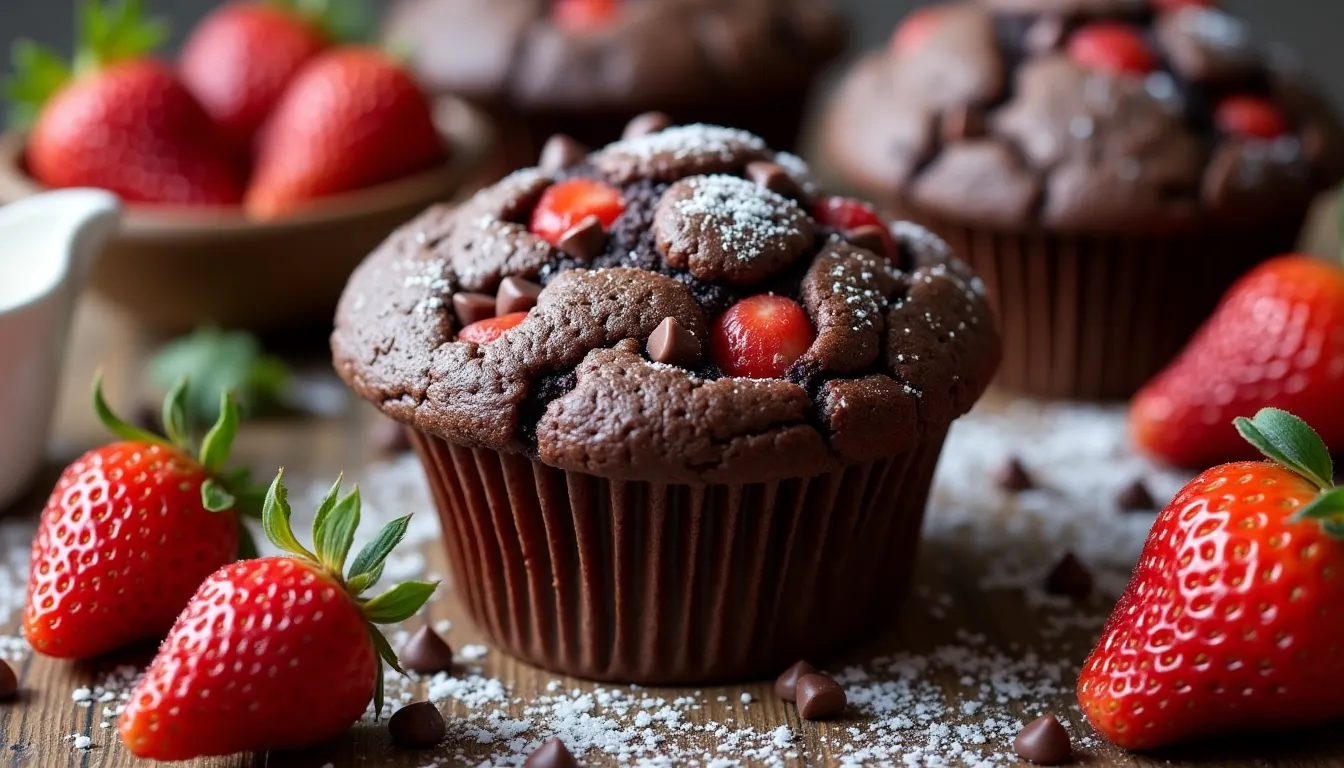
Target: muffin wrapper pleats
x=1095, y=317
x=652, y=583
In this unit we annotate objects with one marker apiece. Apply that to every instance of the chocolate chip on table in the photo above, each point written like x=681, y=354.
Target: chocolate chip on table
x=672, y=344
x=473, y=307
x=786, y=684
x=869, y=237
x=516, y=295
x=561, y=152
x=388, y=437
x=584, y=241
x=551, y=754
x=1135, y=498
x=642, y=125
x=1012, y=476
x=9, y=682
x=417, y=726
x=820, y=697
x=1043, y=741
x=1069, y=578
x=426, y=652
x=773, y=177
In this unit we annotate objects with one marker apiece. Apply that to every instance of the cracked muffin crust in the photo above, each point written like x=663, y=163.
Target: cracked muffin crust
x=616, y=368
x=1083, y=116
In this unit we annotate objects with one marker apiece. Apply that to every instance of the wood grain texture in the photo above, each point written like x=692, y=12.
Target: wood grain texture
x=33, y=729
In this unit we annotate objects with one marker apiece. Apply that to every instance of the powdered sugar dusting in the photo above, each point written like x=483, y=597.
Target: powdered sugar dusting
x=742, y=216
x=682, y=140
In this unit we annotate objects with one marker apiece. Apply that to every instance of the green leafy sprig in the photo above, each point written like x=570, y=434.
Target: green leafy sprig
x=1289, y=442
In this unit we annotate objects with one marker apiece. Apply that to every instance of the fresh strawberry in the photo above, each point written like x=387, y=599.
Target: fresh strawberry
x=917, y=28
x=1250, y=116
x=579, y=15
x=848, y=214
x=761, y=336
x=129, y=533
x=241, y=57
x=1232, y=619
x=1112, y=47
x=352, y=118
x=120, y=121
x=486, y=331
x=1275, y=341
x=569, y=202
x=278, y=652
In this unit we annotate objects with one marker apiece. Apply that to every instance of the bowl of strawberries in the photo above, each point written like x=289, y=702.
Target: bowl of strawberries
x=257, y=170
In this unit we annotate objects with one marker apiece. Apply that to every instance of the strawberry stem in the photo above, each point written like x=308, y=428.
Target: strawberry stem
x=1287, y=440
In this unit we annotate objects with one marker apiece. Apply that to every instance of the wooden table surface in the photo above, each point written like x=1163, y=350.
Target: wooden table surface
x=955, y=608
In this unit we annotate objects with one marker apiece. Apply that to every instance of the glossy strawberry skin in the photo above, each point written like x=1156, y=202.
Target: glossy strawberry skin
x=375, y=125
x=486, y=331
x=239, y=60
x=134, y=129
x=1231, y=621
x=916, y=29
x=578, y=15
x=1275, y=341
x=569, y=202
x=122, y=544
x=283, y=652
x=1250, y=116
x=761, y=336
x=1112, y=47
x=847, y=213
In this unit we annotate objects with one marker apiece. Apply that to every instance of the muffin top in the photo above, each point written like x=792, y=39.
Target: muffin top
x=680, y=306
x=1086, y=115
x=627, y=55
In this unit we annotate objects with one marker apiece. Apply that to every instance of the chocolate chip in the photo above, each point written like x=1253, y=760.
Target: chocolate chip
x=1044, y=742
x=1012, y=476
x=561, y=152
x=773, y=177
x=1069, y=578
x=516, y=295
x=473, y=307
x=672, y=344
x=1136, y=498
x=417, y=726
x=869, y=237
x=551, y=754
x=426, y=652
x=388, y=437
x=963, y=122
x=642, y=125
x=786, y=684
x=1045, y=34
x=9, y=682
x=584, y=241
x=819, y=697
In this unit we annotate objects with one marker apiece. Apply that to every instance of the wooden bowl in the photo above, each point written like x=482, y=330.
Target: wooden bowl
x=176, y=269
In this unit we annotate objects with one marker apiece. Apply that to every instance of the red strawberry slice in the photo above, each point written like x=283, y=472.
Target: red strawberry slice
x=486, y=331
x=569, y=202
x=1250, y=116
x=578, y=15
x=911, y=35
x=848, y=214
x=1112, y=47
x=761, y=336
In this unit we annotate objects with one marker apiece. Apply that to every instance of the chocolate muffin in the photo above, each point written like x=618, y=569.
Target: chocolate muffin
x=1109, y=167
x=679, y=410
x=585, y=67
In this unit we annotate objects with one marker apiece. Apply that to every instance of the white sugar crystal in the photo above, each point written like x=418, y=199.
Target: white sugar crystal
x=743, y=216
x=682, y=140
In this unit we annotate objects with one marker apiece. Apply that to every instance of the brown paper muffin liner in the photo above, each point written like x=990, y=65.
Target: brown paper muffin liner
x=676, y=584
x=1095, y=317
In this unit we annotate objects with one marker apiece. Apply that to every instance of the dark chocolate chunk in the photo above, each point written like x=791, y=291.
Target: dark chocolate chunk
x=869, y=237
x=672, y=344
x=1043, y=741
x=561, y=152
x=426, y=651
x=961, y=122
x=1069, y=578
x=584, y=241
x=473, y=307
x=1135, y=498
x=820, y=697
x=387, y=437
x=551, y=754
x=516, y=295
x=786, y=684
x=9, y=682
x=417, y=726
x=774, y=178
x=642, y=125
x=1012, y=476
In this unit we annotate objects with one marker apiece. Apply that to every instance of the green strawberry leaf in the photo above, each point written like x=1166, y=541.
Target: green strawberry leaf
x=275, y=514
x=373, y=555
x=385, y=653
x=326, y=506
x=400, y=602
x=360, y=584
x=39, y=73
x=1287, y=440
x=219, y=440
x=115, y=424
x=113, y=32
x=332, y=539
x=343, y=21
x=215, y=497
x=221, y=361
x=175, y=416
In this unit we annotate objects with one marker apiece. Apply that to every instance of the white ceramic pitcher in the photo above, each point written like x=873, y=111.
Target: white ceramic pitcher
x=47, y=244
